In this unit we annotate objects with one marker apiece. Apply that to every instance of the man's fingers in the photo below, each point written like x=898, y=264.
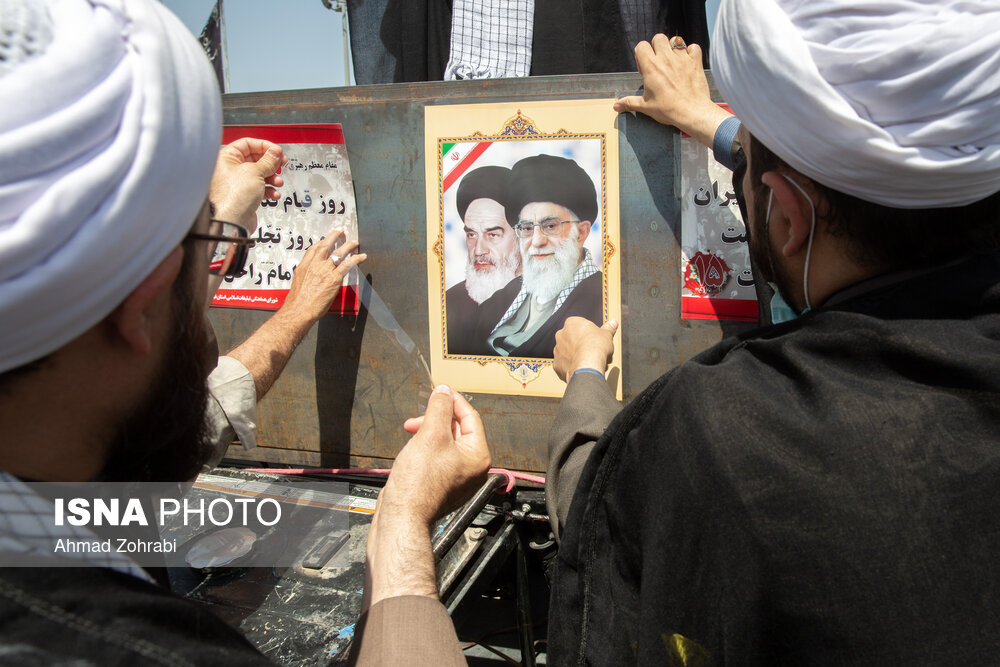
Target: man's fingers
x=236, y=151
x=643, y=50
x=694, y=51
x=467, y=416
x=247, y=146
x=252, y=150
x=470, y=434
x=344, y=266
x=270, y=161
x=249, y=149
x=346, y=261
x=229, y=153
x=323, y=248
x=576, y=322
x=660, y=42
x=413, y=424
x=610, y=325
x=325, y=245
x=353, y=260
x=440, y=410
x=347, y=248
x=461, y=406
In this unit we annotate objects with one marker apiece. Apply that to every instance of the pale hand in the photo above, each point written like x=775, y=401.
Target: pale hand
x=245, y=174
x=445, y=461
x=582, y=344
x=439, y=469
x=675, y=89
x=317, y=278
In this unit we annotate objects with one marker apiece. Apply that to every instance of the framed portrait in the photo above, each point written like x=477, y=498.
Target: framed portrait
x=522, y=233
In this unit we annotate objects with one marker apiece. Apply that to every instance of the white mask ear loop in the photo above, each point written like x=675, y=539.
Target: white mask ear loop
x=812, y=230
x=767, y=230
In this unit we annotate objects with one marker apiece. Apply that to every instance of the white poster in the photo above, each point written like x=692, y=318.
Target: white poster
x=317, y=197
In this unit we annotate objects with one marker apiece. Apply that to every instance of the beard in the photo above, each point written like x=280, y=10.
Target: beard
x=762, y=259
x=546, y=278
x=164, y=439
x=482, y=283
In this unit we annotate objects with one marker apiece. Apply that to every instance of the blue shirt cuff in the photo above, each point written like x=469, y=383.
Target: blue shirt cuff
x=586, y=370
x=722, y=142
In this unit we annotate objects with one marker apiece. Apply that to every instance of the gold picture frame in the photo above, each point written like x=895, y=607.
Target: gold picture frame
x=461, y=138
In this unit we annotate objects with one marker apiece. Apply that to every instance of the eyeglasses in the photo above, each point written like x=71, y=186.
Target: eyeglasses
x=525, y=229
x=229, y=252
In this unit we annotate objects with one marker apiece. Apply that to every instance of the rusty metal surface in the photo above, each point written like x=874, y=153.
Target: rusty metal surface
x=346, y=391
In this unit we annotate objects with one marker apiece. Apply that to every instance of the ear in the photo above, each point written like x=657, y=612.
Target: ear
x=584, y=227
x=791, y=214
x=132, y=319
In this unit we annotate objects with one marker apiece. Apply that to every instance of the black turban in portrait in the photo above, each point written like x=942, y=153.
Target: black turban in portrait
x=482, y=183
x=542, y=178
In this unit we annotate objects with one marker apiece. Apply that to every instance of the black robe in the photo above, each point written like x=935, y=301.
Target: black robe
x=586, y=36
x=66, y=615
x=463, y=321
x=410, y=40
x=823, y=491
x=585, y=300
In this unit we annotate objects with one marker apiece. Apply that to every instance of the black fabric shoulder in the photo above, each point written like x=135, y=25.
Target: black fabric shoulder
x=106, y=617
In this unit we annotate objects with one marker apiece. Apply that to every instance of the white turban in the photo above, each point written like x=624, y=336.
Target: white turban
x=110, y=122
x=893, y=101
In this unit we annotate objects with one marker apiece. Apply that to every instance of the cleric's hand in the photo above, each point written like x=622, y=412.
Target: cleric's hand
x=318, y=278
x=245, y=174
x=582, y=344
x=444, y=462
x=675, y=89
x=441, y=466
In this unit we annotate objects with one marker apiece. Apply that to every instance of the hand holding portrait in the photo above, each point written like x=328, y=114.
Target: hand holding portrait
x=675, y=88
x=583, y=344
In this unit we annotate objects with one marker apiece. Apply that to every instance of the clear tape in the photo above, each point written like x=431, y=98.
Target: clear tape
x=383, y=317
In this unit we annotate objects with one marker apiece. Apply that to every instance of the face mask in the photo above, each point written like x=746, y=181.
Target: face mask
x=780, y=310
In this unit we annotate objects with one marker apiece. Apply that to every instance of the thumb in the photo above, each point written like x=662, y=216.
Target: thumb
x=440, y=409
x=270, y=161
x=610, y=325
x=629, y=103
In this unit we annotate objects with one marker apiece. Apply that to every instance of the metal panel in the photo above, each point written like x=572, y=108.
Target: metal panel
x=347, y=390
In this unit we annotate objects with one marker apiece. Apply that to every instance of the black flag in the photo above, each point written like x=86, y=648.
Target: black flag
x=211, y=41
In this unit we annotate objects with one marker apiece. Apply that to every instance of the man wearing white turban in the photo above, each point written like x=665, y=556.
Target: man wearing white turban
x=110, y=119
x=842, y=508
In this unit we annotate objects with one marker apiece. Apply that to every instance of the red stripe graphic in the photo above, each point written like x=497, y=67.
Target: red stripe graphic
x=466, y=162
x=701, y=308
x=325, y=133
x=345, y=303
